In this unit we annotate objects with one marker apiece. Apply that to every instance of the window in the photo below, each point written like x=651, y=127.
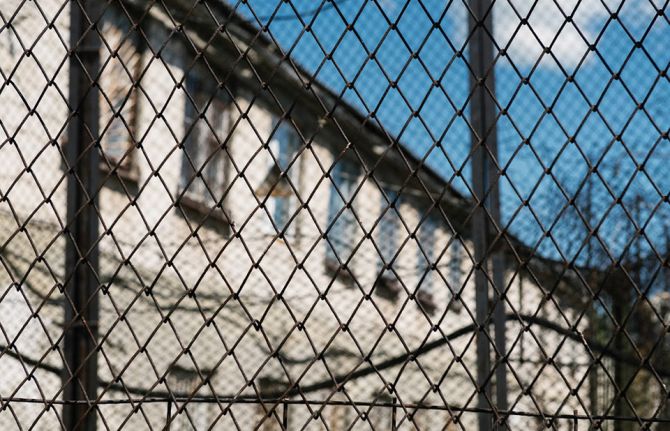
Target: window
x=456, y=265
x=118, y=97
x=342, y=224
x=381, y=417
x=203, y=162
x=455, y=272
x=387, y=239
x=11, y=44
x=426, y=259
x=280, y=203
x=116, y=140
x=183, y=380
x=387, y=286
x=426, y=254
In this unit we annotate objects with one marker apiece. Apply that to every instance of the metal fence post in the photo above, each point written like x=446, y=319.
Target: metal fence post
x=485, y=186
x=81, y=254
x=284, y=419
x=168, y=419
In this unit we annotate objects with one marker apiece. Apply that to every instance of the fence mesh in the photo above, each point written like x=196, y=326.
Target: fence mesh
x=334, y=214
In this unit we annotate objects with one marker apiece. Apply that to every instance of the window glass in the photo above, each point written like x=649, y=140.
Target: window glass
x=456, y=265
x=202, y=150
x=118, y=98
x=116, y=140
x=344, y=177
x=426, y=257
x=284, y=145
x=387, y=230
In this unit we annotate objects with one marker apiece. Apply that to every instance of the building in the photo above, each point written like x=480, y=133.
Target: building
x=256, y=231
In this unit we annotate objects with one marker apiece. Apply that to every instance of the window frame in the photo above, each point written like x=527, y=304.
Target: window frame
x=117, y=99
x=387, y=284
x=427, y=251
x=388, y=224
x=456, y=264
x=282, y=158
x=207, y=125
x=455, y=271
x=344, y=176
x=425, y=293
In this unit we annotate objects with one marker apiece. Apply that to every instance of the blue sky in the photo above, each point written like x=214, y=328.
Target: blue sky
x=591, y=23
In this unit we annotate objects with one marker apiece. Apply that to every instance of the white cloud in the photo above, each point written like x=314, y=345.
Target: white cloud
x=546, y=27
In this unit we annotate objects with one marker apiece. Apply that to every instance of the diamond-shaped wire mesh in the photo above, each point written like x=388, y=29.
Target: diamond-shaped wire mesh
x=334, y=214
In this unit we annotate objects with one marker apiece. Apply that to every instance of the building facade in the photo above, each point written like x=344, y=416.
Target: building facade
x=255, y=232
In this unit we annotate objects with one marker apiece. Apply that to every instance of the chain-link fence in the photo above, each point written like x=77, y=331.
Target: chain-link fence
x=334, y=214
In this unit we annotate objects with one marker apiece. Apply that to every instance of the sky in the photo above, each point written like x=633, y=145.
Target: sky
x=633, y=107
